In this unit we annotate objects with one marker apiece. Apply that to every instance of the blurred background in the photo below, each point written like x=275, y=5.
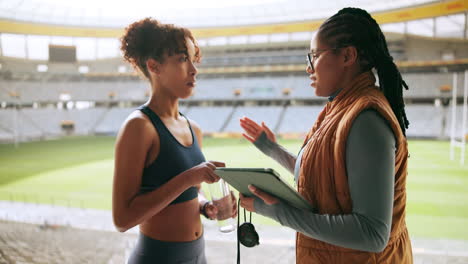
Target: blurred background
x=65, y=91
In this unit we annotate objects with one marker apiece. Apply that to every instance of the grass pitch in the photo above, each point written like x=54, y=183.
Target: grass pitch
x=77, y=172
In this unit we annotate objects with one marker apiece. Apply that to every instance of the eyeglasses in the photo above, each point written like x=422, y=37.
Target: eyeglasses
x=311, y=56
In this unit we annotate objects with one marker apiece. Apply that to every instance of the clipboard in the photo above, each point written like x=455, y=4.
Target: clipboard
x=265, y=179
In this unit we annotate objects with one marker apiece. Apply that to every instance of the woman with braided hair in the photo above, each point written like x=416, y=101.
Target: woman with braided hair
x=353, y=164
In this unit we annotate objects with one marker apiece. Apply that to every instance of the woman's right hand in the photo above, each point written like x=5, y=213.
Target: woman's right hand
x=204, y=172
x=254, y=130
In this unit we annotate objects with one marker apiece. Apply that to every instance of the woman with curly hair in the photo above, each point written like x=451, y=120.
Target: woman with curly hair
x=158, y=162
x=353, y=164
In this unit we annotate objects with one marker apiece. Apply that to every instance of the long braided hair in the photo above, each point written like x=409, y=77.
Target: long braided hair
x=355, y=27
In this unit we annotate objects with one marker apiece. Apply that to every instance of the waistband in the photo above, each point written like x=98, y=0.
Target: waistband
x=148, y=246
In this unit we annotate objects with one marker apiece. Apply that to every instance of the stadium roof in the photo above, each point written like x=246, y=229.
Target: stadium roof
x=217, y=13
x=94, y=26
x=200, y=13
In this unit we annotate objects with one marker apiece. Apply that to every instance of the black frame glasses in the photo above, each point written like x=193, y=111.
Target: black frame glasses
x=311, y=56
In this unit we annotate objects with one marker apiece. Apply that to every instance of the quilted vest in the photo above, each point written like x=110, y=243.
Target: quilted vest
x=324, y=183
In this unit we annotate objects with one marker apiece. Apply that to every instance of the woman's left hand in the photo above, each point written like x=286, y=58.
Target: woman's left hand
x=248, y=202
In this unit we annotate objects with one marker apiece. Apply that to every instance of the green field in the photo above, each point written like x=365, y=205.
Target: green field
x=77, y=172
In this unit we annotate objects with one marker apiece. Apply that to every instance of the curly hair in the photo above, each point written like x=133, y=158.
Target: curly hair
x=148, y=38
x=355, y=27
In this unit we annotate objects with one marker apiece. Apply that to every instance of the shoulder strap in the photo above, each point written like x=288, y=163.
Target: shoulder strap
x=194, y=137
x=155, y=120
x=159, y=125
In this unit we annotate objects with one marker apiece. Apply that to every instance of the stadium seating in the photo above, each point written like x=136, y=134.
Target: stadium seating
x=458, y=122
x=425, y=121
x=268, y=114
x=422, y=85
x=111, y=120
x=86, y=119
x=299, y=119
x=427, y=85
x=211, y=118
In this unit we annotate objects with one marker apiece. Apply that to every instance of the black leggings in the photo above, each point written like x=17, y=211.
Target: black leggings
x=152, y=251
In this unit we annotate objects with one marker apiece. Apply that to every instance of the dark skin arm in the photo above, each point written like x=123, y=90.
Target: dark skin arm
x=134, y=141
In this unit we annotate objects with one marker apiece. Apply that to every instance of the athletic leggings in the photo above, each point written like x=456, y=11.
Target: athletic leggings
x=152, y=251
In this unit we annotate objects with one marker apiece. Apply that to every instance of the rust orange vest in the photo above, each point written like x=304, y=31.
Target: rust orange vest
x=323, y=180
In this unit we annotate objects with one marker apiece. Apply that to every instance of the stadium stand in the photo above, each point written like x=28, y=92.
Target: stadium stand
x=111, y=120
x=210, y=118
x=264, y=79
x=457, y=125
x=422, y=85
x=45, y=122
x=269, y=114
x=86, y=119
x=299, y=119
x=426, y=121
x=427, y=85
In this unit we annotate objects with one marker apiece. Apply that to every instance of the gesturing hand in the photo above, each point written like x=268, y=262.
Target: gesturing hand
x=254, y=130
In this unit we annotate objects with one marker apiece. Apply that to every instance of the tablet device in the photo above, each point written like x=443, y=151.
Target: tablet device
x=265, y=179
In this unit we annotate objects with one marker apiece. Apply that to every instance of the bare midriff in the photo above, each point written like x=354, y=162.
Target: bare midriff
x=176, y=223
